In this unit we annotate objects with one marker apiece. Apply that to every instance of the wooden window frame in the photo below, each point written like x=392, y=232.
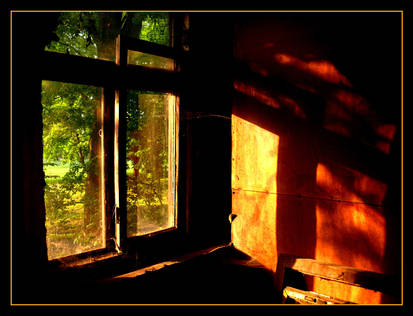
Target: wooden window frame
x=115, y=78
x=123, y=45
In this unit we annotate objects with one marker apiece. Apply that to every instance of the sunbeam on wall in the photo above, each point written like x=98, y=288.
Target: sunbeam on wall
x=254, y=186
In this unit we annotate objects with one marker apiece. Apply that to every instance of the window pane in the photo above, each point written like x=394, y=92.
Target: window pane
x=93, y=34
x=73, y=164
x=155, y=28
x=150, y=61
x=150, y=162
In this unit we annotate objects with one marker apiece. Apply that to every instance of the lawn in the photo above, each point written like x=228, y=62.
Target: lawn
x=66, y=232
x=55, y=171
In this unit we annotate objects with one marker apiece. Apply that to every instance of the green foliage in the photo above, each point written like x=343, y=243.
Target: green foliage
x=75, y=36
x=147, y=158
x=155, y=28
x=93, y=34
x=69, y=125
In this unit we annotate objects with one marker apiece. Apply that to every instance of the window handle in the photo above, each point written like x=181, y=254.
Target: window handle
x=117, y=214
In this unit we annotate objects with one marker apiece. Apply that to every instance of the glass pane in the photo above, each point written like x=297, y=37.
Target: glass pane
x=150, y=61
x=155, y=27
x=93, y=34
x=150, y=162
x=73, y=167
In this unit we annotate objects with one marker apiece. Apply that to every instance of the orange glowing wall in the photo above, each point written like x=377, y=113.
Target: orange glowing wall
x=316, y=143
x=254, y=197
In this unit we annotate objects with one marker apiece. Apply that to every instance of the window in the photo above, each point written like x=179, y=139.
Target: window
x=150, y=150
x=110, y=133
x=73, y=167
x=93, y=34
x=150, y=61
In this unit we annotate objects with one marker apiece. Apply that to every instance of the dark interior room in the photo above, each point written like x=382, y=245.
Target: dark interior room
x=206, y=158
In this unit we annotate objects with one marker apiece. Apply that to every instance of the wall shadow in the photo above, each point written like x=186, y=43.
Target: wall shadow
x=306, y=82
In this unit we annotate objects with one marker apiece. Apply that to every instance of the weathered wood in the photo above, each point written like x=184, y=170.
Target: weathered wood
x=108, y=148
x=254, y=175
x=309, y=297
x=163, y=264
x=338, y=273
x=344, y=274
x=84, y=70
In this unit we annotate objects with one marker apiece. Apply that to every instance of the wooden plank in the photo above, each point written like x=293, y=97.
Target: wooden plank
x=163, y=264
x=348, y=292
x=253, y=230
x=254, y=157
x=309, y=297
x=344, y=274
x=254, y=184
x=333, y=272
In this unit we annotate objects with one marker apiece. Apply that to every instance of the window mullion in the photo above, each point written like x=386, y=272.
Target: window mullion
x=120, y=150
x=108, y=153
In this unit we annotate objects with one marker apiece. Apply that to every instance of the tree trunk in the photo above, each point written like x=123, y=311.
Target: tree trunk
x=92, y=189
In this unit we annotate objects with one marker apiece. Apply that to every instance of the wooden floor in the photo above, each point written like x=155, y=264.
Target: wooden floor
x=224, y=276
x=219, y=276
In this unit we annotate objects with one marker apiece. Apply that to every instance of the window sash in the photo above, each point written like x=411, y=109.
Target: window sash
x=115, y=78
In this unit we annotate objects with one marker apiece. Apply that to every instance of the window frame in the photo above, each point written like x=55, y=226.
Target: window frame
x=114, y=78
x=123, y=45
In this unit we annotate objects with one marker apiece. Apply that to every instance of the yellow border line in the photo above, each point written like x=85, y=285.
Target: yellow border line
x=402, y=156
x=204, y=304
x=206, y=11
x=216, y=11
x=11, y=162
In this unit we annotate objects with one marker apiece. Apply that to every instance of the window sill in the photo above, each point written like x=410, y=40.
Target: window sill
x=162, y=265
x=93, y=259
x=108, y=267
x=85, y=260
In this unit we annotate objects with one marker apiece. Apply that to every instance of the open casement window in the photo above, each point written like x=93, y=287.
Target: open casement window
x=73, y=164
x=145, y=145
x=110, y=148
x=150, y=161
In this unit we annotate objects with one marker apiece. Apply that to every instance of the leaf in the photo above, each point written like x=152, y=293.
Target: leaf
x=123, y=19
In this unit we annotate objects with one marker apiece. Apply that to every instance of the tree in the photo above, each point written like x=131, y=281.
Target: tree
x=147, y=154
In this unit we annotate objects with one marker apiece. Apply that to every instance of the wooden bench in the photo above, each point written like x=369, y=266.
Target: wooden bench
x=290, y=289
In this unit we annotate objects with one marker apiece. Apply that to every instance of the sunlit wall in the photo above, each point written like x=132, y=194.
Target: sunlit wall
x=315, y=156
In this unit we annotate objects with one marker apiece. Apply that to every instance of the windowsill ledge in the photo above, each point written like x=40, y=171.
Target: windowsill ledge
x=161, y=265
x=84, y=262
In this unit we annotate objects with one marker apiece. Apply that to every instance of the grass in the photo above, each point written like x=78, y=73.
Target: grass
x=56, y=171
x=65, y=231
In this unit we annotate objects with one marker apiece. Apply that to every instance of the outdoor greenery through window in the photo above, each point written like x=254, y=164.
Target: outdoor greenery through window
x=150, y=151
x=72, y=159
x=73, y=139
x=93, y=34
x=150, y=61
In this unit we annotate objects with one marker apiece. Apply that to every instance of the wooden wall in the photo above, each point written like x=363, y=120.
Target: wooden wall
x=316, y=140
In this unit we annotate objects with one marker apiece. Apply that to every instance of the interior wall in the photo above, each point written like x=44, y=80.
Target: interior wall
x=206, y=121
x=28, y=231
x=316, y=140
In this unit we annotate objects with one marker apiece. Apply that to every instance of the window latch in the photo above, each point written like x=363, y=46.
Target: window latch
x=116, y=214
